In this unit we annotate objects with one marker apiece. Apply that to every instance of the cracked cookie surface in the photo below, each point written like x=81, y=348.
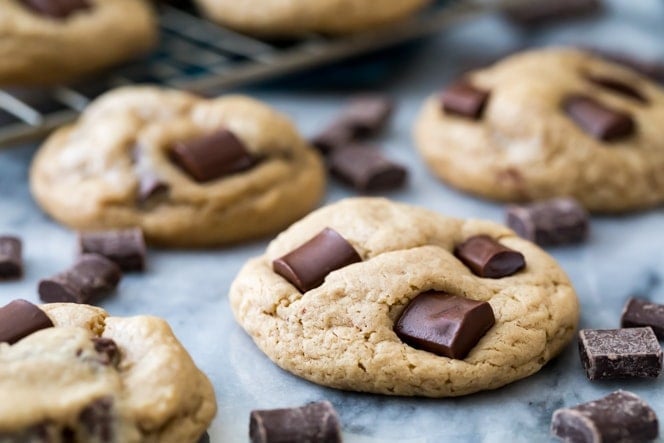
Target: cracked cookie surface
x=65, y=387
x=525, y=147
x=341, y=333
x=88, y=175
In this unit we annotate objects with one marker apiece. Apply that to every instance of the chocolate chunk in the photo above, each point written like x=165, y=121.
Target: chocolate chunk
x=58, y=9
x=149, y=185
x=108, y=350
x=488, y=258
x=539, y=12
x=312, y=423
x=126, y=247
x=639, y=313
x=205, y=438
x=11, y=261
x=307, y=266
x=335, y=135
x=619, y=417
x=19, y=319
x=366, y=169
x=92, y=276
x=444, y=324
x=97, y=420
x=212, y=156
x=552, y=222
x=617, y=86
x=619, y=353
x=601, y=122
x=464, y=100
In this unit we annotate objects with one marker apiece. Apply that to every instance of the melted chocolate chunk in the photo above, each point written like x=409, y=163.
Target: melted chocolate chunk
x=108, y=350
x=97, y=420
x=125, y=247
x=552, y=222
x=640, y=313
x=57, y=9
x=601, y=122
x=464, y=100
x=19, y=319
x=11, y=261
x=487, y=258
x=366, y=169
x=313, y=423
x=618, y=87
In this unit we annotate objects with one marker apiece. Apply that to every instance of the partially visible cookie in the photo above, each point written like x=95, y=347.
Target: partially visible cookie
x=188, y=171
x=298, y=17
x=95, y=378
x=547, y=123
x=330, y=301
x=54, y=41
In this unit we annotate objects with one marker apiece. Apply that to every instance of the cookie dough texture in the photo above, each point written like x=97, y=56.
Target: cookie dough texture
x=341, y=333
x=87, y=175
x=156, y=392
x=526, y=148
x=298, y=17
x=35, y=49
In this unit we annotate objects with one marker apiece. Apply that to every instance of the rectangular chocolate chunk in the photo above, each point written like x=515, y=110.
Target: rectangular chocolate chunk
x=58, y=9
x=551, y=222
x=444, y=324
x=19, y=319
x=366, y=169
x=487, y=258
x=314, y=423
x=126, y=247
x=540, y=12
x=598, y=120
x=619, y=417
x=11, y=259
x=620, y=353
x=464, y=100
x=641, y=313
x=617, y=86
x=93, y=275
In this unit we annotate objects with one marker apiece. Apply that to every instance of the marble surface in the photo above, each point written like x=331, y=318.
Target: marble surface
x=624, y=257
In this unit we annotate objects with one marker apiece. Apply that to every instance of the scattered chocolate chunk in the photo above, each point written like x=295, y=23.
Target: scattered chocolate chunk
x=19, y=319
x=444, y=324
x=488, y=258
x=619, y=353
x=601, y=122
x=465, y=100
x=618, y=87
x=126, y=247
x=307, y=266
x=312, y=423
x=58, y=9
x=366, y=169
x=641, y=313
x=97, y=420
x=149, y=186
x=619, y=417
x=539, y=12
x=212, y=156
x=552, y=222
x=333, y=136
x=11, y=261
x=108, y=350
x=92, y=276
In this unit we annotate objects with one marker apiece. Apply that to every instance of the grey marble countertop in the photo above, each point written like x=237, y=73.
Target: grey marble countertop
x=624, y=257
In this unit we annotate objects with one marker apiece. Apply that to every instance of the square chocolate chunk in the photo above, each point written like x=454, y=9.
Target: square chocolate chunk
x=639, y=313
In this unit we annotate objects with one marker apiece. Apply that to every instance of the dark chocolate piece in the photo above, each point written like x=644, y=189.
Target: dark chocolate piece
x=619, y=417
x=149, y=185
x=92, y=276
x=312, y=423
x=205, y=438
x=212, y=156
x=552, y=222
x=20, y=318
x=601, y=122
x=11, y=261
x=307, y=266
x=641, y=313
x=444, y=324
x=333, y=136
x=366, y=169
x=488, y=258
x=108, y=350
x=539, y=12
x=620, y=353
x=618, y=87
x=58, y=9
x=97, y=420
x=465, y=100
x=126, y=247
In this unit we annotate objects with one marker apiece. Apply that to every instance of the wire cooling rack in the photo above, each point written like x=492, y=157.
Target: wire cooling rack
x=200, y=56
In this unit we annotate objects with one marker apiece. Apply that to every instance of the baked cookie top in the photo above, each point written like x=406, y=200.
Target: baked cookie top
x=93, y=378
x=55, y=41
x=342, y=332
x=115, y=168
x=550, y=122
x=298, y=17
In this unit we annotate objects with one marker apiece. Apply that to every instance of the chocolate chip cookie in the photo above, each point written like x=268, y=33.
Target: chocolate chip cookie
x=375, y=296
x=188, y=171
x=547, y=123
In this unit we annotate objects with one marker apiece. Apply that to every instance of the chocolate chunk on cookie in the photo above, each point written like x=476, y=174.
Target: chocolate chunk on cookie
x=488, y=258
x=19, y=319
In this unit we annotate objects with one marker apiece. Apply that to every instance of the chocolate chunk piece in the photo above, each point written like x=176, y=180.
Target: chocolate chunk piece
x=552, y=222
x=19, y=319
x=464, y=100
x=619, y=417
x=108, y=350
x=126, y=247
x=601, y=122
x=640, y=313
x=11, y=261
x=97, y=420
x=92, y=276
x=619, y=353
x=618, y=87
x=488, y=258
x=444, y=324
x=539, y=12
x=307, y=266
x=312, y=423
x=58, y=9
x=333, y=136
x=366, y=169
x=149, y=186
x=212, y=156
